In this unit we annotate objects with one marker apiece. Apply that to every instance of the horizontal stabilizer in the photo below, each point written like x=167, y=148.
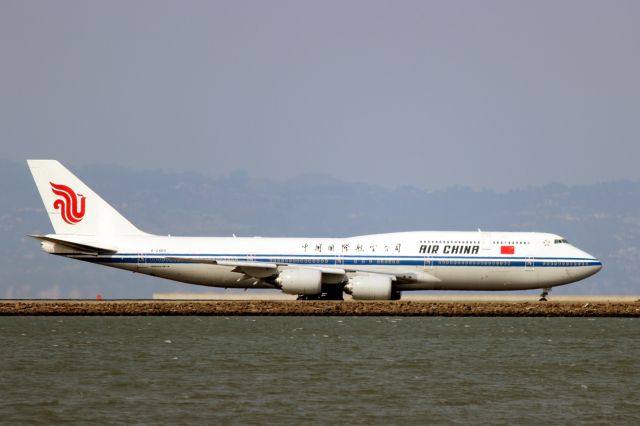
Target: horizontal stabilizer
x=62, y=246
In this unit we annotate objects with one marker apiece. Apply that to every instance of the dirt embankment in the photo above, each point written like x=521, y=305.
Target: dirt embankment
x=318, y=308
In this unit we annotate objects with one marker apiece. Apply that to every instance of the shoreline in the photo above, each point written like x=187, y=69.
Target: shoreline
x=318, y=308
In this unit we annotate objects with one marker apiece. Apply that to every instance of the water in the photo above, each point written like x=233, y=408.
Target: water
x=318, y=370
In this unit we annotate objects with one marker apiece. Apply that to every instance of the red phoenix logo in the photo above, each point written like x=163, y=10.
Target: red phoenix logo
x=68, y=203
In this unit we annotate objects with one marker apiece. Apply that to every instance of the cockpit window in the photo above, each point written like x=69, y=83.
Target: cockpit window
x=562, y=241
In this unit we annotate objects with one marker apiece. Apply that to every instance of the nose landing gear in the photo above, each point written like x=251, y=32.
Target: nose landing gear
x=544, y=294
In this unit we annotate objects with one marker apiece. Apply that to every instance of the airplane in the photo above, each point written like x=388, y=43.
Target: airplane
x=367, y=267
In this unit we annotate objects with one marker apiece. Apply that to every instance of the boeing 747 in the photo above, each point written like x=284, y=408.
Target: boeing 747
x=368, y=267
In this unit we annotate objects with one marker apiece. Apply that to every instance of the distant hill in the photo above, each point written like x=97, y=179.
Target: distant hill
x=603, y=219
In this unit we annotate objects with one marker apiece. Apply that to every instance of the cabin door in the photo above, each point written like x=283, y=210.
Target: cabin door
x=528, y=264
x=485, y=242
x=428, y=264
x=142, y=261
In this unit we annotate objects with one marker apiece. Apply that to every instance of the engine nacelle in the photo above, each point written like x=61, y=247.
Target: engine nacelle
x=370, y=287
x=300, y=281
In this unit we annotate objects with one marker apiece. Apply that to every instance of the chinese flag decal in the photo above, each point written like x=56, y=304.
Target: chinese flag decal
x=507, y=250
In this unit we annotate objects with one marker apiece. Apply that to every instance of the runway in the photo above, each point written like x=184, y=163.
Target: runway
x=457, y=308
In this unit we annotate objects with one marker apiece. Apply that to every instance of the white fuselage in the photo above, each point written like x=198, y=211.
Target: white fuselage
x=417, y=260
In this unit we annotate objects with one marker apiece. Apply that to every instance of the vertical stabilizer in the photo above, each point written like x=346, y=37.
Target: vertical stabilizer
x=73, y=208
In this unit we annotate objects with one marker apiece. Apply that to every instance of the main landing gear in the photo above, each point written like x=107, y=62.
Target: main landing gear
x=329, y=294
x=545, y=293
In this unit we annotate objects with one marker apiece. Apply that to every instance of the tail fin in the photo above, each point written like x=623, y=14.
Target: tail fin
x=73, y=208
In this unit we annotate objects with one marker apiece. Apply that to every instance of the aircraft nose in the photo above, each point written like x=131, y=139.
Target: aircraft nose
x=592, y=268
x=595, y=265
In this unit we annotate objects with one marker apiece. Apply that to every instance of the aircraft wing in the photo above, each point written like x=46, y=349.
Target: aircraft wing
x=255, y=269
x=72, y=247
x=250, y=269
x=269, y=269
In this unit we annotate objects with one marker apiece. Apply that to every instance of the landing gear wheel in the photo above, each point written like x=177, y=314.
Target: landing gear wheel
x=309, y=297
x=545, y=293
x=326, y=295
x=333, y=294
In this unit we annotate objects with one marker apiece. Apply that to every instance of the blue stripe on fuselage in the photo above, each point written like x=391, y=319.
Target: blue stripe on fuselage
x=307, y=259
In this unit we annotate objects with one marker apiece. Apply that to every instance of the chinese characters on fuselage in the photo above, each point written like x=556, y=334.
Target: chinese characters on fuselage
x=347, y=248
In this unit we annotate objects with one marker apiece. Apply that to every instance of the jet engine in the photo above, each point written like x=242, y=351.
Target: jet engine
x=300, y=281
x=370, y=287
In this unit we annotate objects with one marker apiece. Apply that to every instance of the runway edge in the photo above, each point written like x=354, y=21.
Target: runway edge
x=316, y=308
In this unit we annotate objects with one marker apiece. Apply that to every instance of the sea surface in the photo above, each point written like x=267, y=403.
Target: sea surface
x=319, y=370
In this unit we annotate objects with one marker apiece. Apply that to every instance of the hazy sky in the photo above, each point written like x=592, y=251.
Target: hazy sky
x=495, y=94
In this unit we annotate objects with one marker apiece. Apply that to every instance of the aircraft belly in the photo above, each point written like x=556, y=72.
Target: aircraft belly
x=132, y=267
x=477, y=278
x=200, y=274
x=557, y=276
